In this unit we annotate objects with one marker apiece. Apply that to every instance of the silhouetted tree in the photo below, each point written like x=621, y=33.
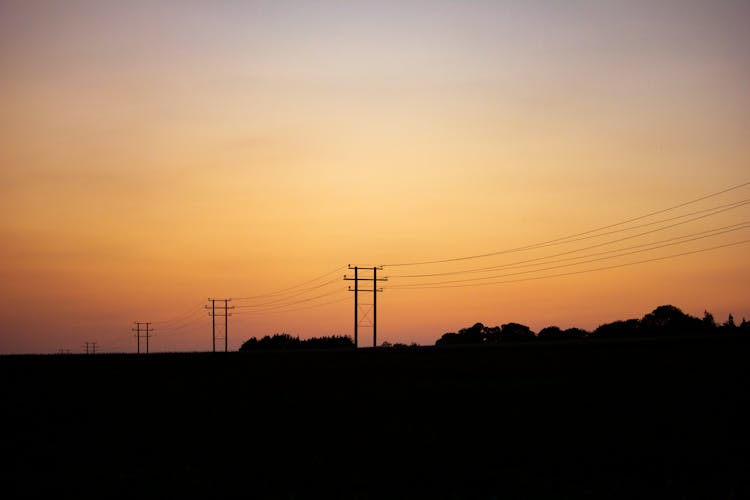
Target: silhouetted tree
x=555, y=333
x=669, y=320
x=617, y=329
x=575, y=333
x=516, y=332
x=550, y=333
x=480, y=334
x=449, y=338
x=249, y=345
x=708, y=321
x=492, y=334
x=473, y=335
x=729, y=325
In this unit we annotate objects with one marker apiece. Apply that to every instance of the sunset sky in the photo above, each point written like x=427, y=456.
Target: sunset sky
x=157, y=153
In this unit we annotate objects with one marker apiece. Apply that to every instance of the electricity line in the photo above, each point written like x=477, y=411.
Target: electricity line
x=189, y=323
x=181, y=317
x=295, y=294
x=298, y=308
x=654, y=245
x=190, y=319
x=277, y=292
x=279, y=306
x=621, y=254
x=572, y=236
x=571, y=273
x=525, y=263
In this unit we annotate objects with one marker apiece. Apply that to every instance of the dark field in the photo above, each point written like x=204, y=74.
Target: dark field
x=590, y=419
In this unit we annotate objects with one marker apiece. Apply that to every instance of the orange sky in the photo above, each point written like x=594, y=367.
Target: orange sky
x=155, y=154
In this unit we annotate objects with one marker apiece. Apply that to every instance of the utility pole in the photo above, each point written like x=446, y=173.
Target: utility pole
x=90, y=347
x=87, y=347
x=226, y=307
x=147, y=329
x=375, y=290
x=93, y=347
x=137, y=335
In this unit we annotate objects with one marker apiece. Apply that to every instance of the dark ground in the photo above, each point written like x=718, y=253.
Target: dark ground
x=591, y=419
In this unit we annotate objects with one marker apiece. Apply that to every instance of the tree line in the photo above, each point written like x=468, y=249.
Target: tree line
x=665, y=320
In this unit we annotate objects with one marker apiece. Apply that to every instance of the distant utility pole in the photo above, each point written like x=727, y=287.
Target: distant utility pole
x=375, y=290
x=146, y=329
x=90, y=347
x=226, y=307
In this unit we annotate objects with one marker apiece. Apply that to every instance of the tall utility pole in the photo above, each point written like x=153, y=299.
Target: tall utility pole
x=90, y=347
x=226, y=307
x=147, y=329
x=375, y=290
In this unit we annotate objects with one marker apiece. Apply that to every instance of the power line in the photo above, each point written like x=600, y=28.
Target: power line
x=569, y=237
x=528, y=262
x=181, y=317
x=194, y=318
x=277, y=292
x=597, y=259
x=295, y=294
x=620, y=252
x=278, y=306
x=322, y=304
x=572, y=273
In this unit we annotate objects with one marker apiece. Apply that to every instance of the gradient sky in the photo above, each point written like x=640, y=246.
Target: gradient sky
x=154, y=154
